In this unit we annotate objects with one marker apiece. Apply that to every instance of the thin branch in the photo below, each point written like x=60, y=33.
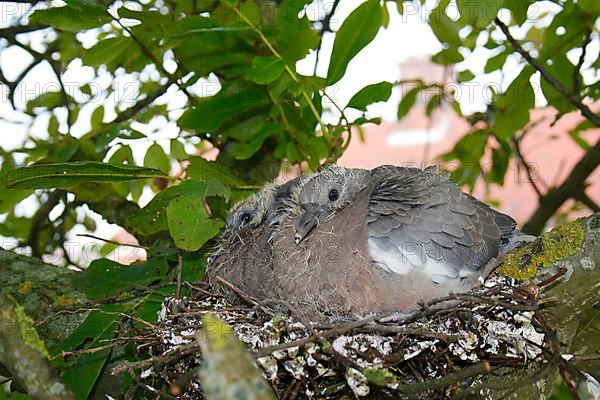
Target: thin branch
x=148, y=53
x=555, y=83
x=459, y=376
x=589, y=202
x=326, y=27
x=244, y=296
x=577, y=69
x=570, y=188
x=179, y=275
x=173, y=356
x=39, y=221
x=12, y=31
x=521, y=159
x=88, y=235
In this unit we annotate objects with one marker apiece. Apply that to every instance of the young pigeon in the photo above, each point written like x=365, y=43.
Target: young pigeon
x=242, y=255
x=362, y=241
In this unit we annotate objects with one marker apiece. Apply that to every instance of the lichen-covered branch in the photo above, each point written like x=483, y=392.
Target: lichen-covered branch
x=23, y=353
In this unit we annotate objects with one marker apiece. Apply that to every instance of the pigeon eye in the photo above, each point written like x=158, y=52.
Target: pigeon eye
x=333, y=195
x=245, y=218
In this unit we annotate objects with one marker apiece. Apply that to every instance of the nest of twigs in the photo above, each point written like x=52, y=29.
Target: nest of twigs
x=445, y=349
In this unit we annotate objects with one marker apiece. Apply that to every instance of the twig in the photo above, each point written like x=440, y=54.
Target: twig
x=553, y=278
x=577, y=69
x=555, y=83
x=179, y=275
x=148, y=53
x=549, y=203
x=93, y=350
x=463, y=374
x=568, y=189
x=244, y=296
x=326, y=27
x=88, y=235
x=586, y=357
x=482, y=299
x=589, y=202
x=173, y=356
x=40, y=220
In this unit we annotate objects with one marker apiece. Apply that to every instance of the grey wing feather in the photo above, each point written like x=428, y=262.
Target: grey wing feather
x=423, y=211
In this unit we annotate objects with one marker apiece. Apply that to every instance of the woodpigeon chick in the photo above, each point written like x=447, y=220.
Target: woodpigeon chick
x=362, y=241
x=251, y=211
x=242, y=255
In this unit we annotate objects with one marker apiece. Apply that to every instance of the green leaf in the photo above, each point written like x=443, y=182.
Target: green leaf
x=444, y=28
x=204, y=170
x=434, y=102
x=67, y=175
x=156, y=158
x=591, y=7
x=106, y=52
x=562, y=70
x=385, y=16
x=243, y=151
x=265, y=70
x=514, y=105
x=177, y=150
x=357, y=31
x=153, y=218
x=48, y=100
x=96, y=323
x=73, y=17
x=11, y=197
x=297, y=36
x=470, y=148
x=447, y=56
x=83, y=373
x=466, y=75
x=496, y=62
x=98, y=328
x=518, y=9
x=500, y=158
x=371, y=94
x=576, y=136
x=209, y=115
x=97, y=117
x=105, y=277
x=408, y=100
x=103, y=138
x=479, y=13
x=189, y=224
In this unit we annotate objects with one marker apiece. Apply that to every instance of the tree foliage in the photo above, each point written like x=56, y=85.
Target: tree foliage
x=232, y=68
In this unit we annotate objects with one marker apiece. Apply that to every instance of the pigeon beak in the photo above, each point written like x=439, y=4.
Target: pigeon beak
x=306, y=222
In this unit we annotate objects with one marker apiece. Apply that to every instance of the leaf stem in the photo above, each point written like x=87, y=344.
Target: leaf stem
x=288, y=69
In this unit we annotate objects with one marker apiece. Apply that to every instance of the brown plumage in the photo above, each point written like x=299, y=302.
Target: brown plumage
x=243, y=254
x=352, y=241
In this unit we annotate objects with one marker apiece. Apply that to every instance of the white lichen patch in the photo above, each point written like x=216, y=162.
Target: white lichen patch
x=357, y=382
x=269, y=367
x=418, y=348
x=366, y=350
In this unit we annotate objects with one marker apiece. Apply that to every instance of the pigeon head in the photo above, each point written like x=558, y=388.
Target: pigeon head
x=325, y=193
x=251, y=211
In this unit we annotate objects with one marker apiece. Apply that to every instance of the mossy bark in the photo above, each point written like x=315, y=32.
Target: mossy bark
x=42, y=289
x=24, y=355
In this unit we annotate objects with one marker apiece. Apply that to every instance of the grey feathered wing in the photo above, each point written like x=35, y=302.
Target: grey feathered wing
x=419, y=221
